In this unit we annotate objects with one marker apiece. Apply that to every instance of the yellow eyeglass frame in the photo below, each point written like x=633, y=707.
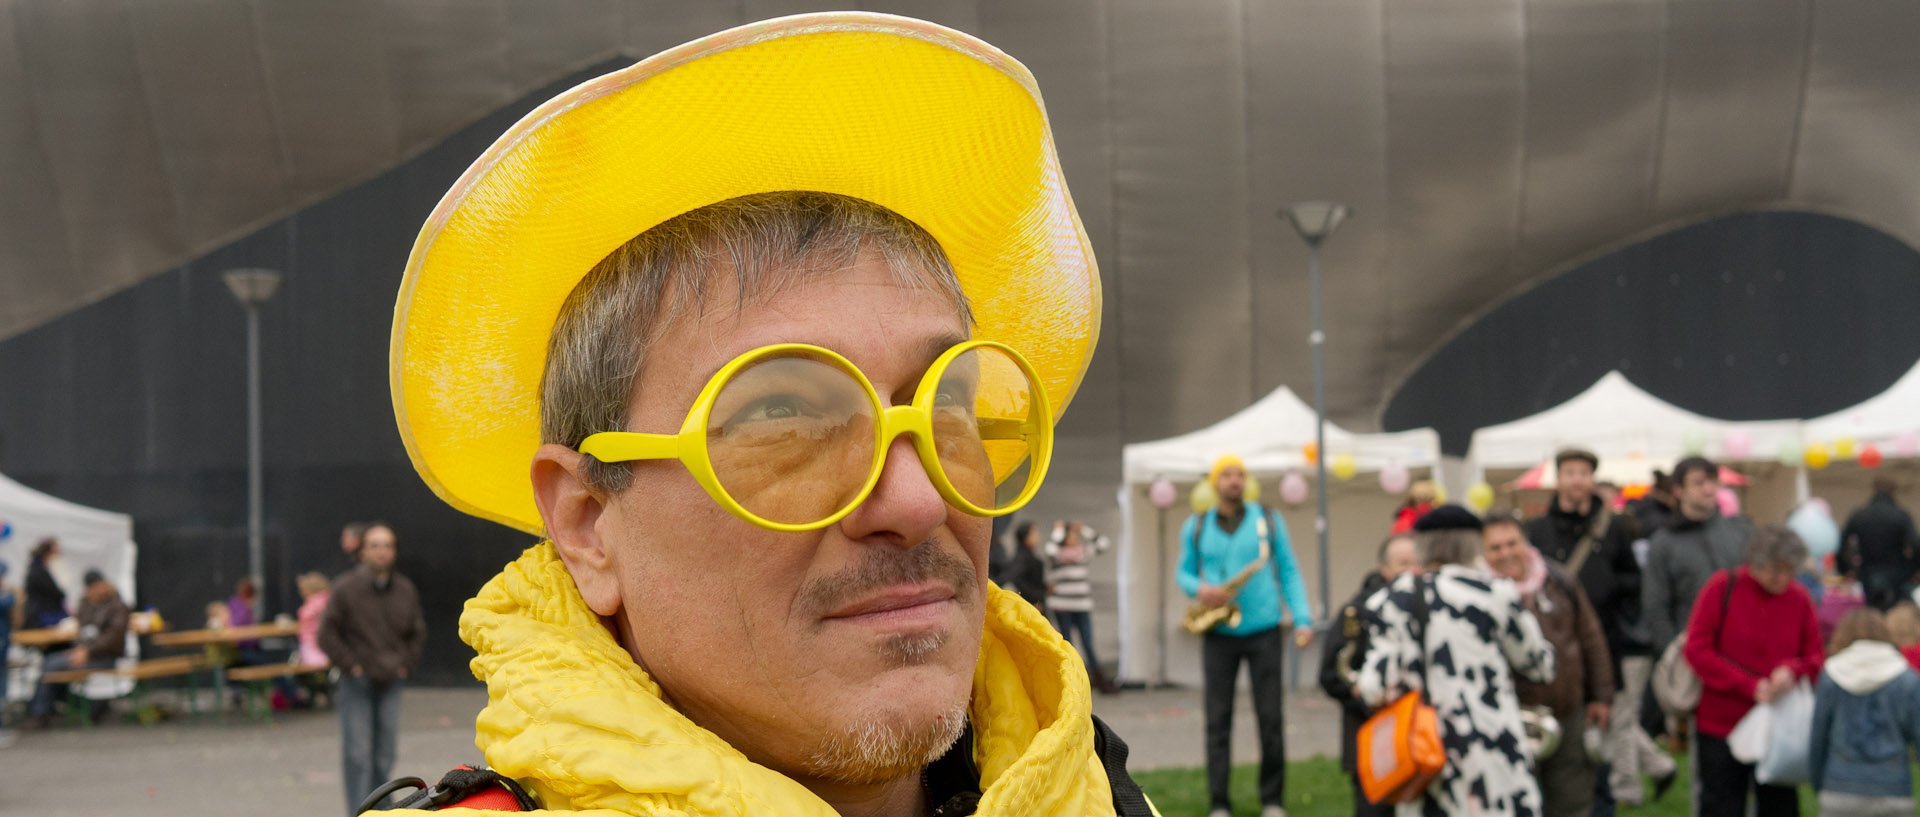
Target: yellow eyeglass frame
x=689, y=446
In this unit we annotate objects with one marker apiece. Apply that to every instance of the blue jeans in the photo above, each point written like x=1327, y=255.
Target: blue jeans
x=1066, y=621
x=46, y=694
x=369, y=729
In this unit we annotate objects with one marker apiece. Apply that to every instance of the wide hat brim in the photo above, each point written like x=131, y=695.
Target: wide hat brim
x=924, y=120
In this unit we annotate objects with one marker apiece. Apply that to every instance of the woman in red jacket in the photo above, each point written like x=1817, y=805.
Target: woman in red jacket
x=1766, y=640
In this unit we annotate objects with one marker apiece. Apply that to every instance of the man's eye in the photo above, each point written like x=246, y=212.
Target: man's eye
x=954, y=393
x=775, y=407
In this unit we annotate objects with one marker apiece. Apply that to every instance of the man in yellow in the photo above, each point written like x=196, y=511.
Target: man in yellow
x=778, y=320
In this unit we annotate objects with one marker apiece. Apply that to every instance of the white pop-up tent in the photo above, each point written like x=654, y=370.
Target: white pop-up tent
x=1888, y=422
x=1877, y=420
x=89, y=539
x=1271, y=435
x=1633, y=433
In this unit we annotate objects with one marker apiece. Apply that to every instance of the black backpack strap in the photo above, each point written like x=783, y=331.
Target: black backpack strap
x=1128, y=800
x=455, y=786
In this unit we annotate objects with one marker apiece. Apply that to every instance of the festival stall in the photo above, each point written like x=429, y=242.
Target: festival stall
x=1368, y=475
x=1634, y=434
x=89, y=539
x=1877, y=437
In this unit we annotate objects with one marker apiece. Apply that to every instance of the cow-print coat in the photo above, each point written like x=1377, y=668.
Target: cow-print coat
x=1476, y=630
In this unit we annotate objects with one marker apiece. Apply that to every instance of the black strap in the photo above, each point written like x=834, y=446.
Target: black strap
x=455, y=786
x=1421, y=615
x=1128, y=800
x=1726, y=601
x=1193, y=544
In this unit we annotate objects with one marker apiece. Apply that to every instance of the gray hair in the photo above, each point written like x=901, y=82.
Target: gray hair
x=771, y=242
x=1453, y=546
x=1772, y=545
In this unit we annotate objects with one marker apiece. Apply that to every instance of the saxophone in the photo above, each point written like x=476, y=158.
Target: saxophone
x=1202, y=617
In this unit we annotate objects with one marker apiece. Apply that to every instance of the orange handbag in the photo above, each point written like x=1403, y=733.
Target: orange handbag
x=1399, y=751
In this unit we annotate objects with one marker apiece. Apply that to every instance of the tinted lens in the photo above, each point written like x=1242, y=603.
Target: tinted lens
x=792, y=439
x=984, y=422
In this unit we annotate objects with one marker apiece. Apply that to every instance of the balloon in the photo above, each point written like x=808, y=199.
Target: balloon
x=1815, y=527
x=1311, y=451
x=1869, y=456
x=1906, y=444
x=1737, y=445
x=1693, y=441
x=1729, y=502
x=1394, y=478
x=6, y=530
x=1202, y=497
x=1162, y=493
x=1344, y=467
x=1480, y=497
x=1293, y=488
x=1844, y=448
x=1439, y=493
x=1253, y=490
x=1822, y=504
x=1818, y=456
x=1790, y=454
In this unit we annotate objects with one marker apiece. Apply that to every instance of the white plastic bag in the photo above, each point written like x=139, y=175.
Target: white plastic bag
x=1748, y=740
x=1786, y=761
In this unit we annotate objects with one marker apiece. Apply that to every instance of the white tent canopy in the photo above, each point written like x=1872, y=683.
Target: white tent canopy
x=89, y=539
x=1271, y=436
x=1877, y=419
x=1621, y=424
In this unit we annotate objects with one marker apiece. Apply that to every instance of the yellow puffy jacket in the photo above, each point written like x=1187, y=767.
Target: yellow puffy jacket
x=573, y=718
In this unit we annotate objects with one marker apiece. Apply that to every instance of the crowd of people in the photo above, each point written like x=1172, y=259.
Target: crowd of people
x=1540, y=644
x=359, y=639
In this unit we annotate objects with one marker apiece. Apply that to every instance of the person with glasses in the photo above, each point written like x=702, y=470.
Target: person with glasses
x=760, y=335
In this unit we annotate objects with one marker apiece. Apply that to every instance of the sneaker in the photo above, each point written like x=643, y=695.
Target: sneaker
x=1272, y=811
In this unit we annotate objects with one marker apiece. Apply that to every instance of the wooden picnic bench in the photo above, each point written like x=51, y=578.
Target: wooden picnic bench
x=139, y=673
x=257, y=677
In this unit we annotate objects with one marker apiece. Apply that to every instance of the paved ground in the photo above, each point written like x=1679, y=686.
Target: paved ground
x=291, y=766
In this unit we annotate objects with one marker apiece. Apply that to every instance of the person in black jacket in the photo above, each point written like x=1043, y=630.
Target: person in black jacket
x=1878, y=547
x=46, y=602
x=1344, y=649
x=1596, y=545
x=1027, y=571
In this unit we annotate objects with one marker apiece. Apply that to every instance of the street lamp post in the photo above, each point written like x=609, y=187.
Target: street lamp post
x=1314, y=221
x=253, y=287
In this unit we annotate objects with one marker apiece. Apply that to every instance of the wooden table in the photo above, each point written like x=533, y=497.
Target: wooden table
x=218, y=645
x=224, y=635
x=45, y=637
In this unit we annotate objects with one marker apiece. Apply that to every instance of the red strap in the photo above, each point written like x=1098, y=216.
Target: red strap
x=495, y=798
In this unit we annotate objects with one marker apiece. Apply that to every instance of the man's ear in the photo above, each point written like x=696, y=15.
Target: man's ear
x=572, y=510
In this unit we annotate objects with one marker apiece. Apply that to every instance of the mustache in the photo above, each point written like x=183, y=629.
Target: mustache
x=880, y=568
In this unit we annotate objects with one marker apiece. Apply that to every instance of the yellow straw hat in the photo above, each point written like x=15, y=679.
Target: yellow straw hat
x=926, y=121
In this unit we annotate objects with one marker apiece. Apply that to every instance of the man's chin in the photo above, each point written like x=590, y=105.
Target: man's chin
x=885, y=744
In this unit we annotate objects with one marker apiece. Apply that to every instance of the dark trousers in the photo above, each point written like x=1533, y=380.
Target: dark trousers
x=1362, y=807
x=1221, y=656
x=1067, y=621
x=369, y=733
x=46, y=694
x=1721, y=784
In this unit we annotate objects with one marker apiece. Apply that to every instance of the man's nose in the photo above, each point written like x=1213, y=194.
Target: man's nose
x=904, y=508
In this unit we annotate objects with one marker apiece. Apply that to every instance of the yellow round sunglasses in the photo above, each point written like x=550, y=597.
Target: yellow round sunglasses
x=792, y=437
